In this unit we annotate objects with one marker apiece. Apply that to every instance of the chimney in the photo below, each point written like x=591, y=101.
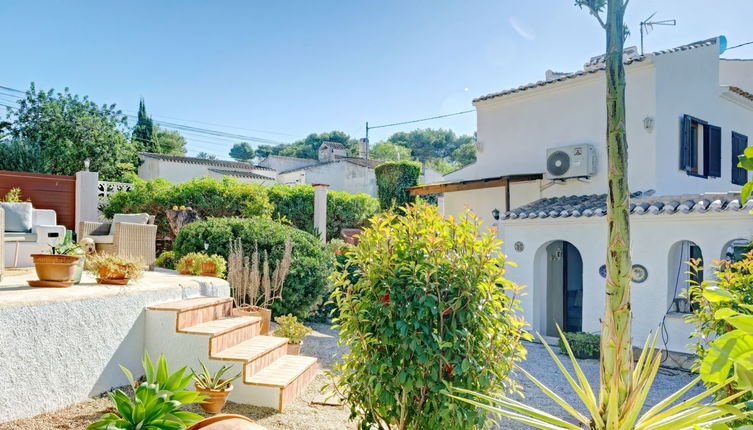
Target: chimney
x=363, y=148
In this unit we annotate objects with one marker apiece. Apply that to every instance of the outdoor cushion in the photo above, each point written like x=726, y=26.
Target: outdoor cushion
x=132, y=218
x=17, y=216
x=14, y=236
x=102, y=239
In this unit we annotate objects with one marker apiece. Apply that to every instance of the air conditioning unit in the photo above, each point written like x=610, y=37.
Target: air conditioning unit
x=573, y=161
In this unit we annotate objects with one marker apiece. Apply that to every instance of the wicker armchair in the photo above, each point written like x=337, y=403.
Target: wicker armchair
x=129, y=239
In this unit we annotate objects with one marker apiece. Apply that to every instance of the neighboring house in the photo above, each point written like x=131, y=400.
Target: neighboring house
x=334, y=167
x=540, y=177
x=177, y=169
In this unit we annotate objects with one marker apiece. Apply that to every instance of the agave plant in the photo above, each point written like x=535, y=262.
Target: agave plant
x=209, y=381
x=156, y=403
x=665, y=415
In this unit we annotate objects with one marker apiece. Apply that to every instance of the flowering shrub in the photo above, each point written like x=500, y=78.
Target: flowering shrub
x=429, y=309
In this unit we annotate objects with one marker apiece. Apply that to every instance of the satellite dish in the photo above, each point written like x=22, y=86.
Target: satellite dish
x=558, y=163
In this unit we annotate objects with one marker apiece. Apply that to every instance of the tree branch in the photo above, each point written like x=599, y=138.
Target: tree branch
x=598, y=18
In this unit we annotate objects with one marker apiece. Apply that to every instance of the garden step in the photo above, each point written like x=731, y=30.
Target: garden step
x=290, y=374
x=197, y=310
x=227, y=332
x=257, y=353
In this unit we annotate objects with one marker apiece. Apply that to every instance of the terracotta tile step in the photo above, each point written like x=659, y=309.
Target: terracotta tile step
x=190, y=304
x=221, y=326
x=282, y=372
x=251, y=349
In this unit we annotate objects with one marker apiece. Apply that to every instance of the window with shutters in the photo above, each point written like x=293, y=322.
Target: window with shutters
x=739, y=143
x=700, y=148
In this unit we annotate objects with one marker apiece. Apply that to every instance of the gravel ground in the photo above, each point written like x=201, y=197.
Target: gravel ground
x=322, y=343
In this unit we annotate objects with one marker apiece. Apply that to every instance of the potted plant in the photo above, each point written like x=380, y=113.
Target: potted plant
x=290, y=327
x=190, y=264
x=214, y=265
x=114, y=269
x=214, y=388
x=254, y=287
x=57, y=269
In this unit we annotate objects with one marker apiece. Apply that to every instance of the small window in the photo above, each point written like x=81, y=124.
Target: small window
x=739, y=143
x=700, y=148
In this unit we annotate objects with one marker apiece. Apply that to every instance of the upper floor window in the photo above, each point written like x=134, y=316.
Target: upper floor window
x=700, y=148
x=739, y=143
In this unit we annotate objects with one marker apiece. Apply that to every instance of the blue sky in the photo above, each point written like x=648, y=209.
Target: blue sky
x=282, y=69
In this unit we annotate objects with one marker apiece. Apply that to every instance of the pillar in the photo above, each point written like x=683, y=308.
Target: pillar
x=87, y=203
x=320, y=210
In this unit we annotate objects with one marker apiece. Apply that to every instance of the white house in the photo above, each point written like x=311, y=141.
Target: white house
x=177, y=169
x=334, y=167
x=541, y=179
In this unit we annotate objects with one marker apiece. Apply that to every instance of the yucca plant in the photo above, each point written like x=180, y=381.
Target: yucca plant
x=156, y=403
x=665, y=415
x=213, y=381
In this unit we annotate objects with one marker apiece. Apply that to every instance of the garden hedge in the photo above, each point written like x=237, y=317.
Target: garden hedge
x=392, y=180
x=207, y=196
x=312, y=261
x=344, y=210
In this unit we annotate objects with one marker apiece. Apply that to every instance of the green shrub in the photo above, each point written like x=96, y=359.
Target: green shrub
x=392, y=178
x=584, y=345
x=312, y=261
x=207, y=196
x=425, y=314
x=344, y=210
x=166, y=260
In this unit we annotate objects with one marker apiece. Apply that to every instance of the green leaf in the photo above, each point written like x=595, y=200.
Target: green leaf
x=724, y=313
x=716, y=294
x=742, y=322
x=746, y=191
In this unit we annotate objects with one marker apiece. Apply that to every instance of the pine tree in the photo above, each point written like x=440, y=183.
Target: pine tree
x=143, y=131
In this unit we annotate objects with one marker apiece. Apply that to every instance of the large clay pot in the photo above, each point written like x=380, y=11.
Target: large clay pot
x=209, y=268
x=226, y=422
x=58, y=268
x=189, y=264
x=256, y=311
x=294, y=348
x=214, y=400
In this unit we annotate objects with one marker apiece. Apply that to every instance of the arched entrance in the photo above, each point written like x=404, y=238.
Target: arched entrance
x=564, y=299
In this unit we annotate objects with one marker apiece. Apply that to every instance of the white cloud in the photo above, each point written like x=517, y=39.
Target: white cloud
x=524, y=32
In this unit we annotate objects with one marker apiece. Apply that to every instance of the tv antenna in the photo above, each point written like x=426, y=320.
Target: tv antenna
x=648, y=25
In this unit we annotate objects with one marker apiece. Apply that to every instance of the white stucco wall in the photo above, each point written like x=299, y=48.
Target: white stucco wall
x=737, y=73
x=652, y=238
x=483, y=201
x=243, y=180
x=340, y=176
x=177, y=172
x=282, y=164
x=64, y=346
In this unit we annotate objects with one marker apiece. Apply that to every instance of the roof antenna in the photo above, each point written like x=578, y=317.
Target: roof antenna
x=648, y=25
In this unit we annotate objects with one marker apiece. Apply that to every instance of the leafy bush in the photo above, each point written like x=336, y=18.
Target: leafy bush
x=584, y=345
x=312, y=262
x=425, y=314
x=166, y=260
x=392, y=178
x=288, y=326
x=207, y=196
x=344, y=210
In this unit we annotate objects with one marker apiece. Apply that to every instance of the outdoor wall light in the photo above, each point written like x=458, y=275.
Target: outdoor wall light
x=495, y=214
x=86, y=165
x=648, y=123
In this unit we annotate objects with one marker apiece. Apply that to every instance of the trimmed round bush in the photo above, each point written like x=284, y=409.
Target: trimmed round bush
x=312, y=261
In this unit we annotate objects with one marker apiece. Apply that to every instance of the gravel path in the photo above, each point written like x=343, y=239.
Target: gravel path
x=300, y=414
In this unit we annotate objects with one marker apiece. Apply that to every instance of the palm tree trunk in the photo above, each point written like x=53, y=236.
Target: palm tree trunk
x=616, y=342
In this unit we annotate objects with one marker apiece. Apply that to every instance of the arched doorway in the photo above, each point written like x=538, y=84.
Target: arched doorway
x=564, y=300
x=681, y=276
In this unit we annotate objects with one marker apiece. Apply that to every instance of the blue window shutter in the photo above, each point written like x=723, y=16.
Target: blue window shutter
x=739, y=143
x=685, y=143
x=712, y=151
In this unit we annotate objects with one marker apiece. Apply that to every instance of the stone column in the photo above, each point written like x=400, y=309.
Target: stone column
x=320, y=210
x=87, y=203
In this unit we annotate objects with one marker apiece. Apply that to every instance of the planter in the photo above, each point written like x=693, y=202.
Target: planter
x=256, y=311
x=214, y=400
x=209, y=268
x=79, y=270
x=187, y=270
x=56, y=268
x=112, y=276
x=294, y=348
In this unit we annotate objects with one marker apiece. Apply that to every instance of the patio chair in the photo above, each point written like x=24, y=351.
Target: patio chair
x=128, y=235
x=27, y=231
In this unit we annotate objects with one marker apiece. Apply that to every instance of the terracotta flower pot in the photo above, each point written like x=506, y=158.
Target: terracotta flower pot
x=189, y=264
x=58, y=268
x=294, y=348
x=214, y=400
x=256, y=311
x=209, y=268
x=105, y=273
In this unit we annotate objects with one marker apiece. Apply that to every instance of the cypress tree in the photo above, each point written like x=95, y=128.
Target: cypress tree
x=143, y=131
